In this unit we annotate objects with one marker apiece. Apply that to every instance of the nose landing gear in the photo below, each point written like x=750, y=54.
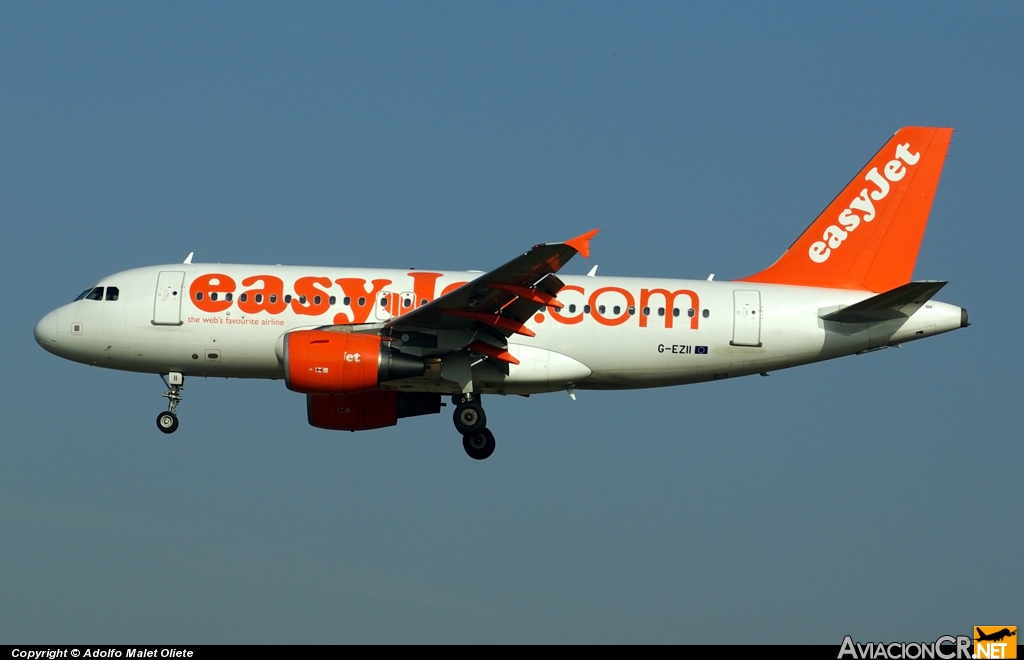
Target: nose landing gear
x=471, y=422
x=168, y=421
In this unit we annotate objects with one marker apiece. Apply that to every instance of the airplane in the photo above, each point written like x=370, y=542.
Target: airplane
x=996, y=636
x=371, y=346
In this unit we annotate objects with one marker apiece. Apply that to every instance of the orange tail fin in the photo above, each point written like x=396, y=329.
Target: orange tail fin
x=869, y=236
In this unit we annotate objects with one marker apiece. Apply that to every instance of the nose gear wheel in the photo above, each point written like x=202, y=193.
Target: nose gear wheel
x=167, y=422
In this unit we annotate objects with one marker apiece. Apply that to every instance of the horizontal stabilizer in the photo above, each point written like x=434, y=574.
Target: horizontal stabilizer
x=898, y=303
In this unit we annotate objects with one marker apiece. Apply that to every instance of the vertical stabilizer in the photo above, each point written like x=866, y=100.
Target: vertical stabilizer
x=869, y=236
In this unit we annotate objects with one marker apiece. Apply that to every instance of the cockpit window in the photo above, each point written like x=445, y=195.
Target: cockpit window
x=112, y=293
x=95, y=294
x=82, y=295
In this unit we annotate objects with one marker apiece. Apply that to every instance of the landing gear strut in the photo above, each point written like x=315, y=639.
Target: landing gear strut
x=168, y=421
x=471, y=422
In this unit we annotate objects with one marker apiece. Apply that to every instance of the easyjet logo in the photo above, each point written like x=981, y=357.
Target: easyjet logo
x=862, y=207
x=311, y=296
x=315, y=296
x=613, y=305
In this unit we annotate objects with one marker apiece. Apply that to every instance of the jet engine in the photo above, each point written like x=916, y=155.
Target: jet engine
x=324, y=362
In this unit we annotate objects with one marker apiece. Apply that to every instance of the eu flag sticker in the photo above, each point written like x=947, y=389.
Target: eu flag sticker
x=700, y=350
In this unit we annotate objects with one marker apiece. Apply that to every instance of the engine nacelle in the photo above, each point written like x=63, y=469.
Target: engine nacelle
x=367, y=410
x=324, y=362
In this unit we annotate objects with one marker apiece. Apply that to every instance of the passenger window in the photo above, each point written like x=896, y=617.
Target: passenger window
x=273, y=298
x=586, y=309
x=228, y=297
x=661, y=311
x=632, y=310
x=647, y=311
x=199, y=295
x=258, y=298
x=332, y=300
x=213, y=296
x=572, y=309
x=706, y=313
x=422, y=302
x=384, y=301
x=615, y=310
x=689, y=312
x=112, y=293
x=243, y=297
x=675, y=311
x=346, y=300
x=600, y=309
x=362, y=301
x=95, y=294
x=316, y=300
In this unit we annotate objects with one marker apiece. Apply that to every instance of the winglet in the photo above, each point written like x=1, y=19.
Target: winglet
x=582, y=242
x=188, y=259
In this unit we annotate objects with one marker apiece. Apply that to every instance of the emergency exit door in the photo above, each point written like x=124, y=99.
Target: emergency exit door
x=384, y=306
x=167, y=306
x=746, y=320
x=390, y=305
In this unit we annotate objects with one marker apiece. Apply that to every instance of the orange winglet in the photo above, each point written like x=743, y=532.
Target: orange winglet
x=536, y=295
x=582, y=242
x=493, y=351
x=495, y=321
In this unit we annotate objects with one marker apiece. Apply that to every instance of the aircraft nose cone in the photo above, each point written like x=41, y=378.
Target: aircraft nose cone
x=46, y=331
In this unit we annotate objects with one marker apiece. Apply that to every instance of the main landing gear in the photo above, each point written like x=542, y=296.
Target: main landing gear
x=168, y=421
x=471, y=422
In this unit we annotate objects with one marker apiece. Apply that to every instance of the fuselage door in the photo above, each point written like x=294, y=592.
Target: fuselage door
x=384, y=305
x=746, y=320
x=167, y=306
x=406, y=302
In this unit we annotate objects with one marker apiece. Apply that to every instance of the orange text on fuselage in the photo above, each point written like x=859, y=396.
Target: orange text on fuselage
x=311, y=296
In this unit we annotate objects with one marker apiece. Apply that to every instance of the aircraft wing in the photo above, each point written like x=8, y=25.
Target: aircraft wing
x=504, y=299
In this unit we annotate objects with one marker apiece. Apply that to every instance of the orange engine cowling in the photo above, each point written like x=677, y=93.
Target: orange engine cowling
x=367, y=410
x=324, y=362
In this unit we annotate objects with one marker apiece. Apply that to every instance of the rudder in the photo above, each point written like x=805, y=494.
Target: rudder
x=869, y=236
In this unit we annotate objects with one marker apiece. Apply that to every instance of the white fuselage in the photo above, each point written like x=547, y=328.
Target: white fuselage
x=612, y=333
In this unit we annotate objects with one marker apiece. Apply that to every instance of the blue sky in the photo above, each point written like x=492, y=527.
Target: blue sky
x=872, y=496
